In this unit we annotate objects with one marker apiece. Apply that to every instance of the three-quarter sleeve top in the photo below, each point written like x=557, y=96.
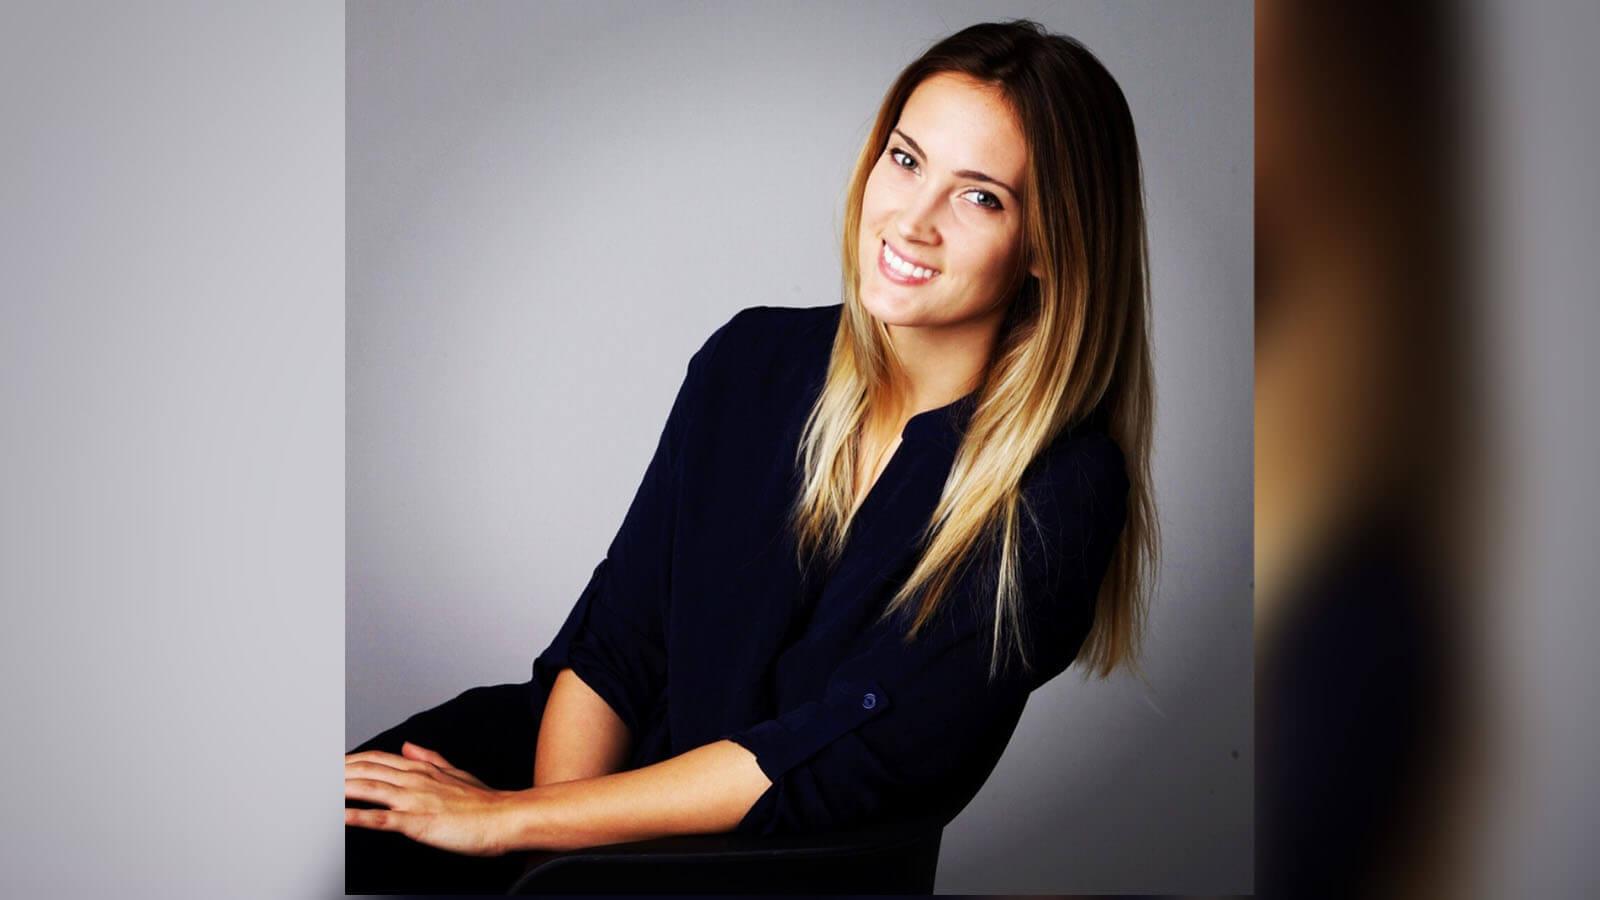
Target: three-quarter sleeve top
x=699, y=625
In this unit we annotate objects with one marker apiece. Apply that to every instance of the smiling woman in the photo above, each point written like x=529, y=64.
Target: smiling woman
x=857, y=518
x=1001, y=199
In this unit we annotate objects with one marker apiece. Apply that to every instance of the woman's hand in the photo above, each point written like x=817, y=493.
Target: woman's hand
x=429, y=800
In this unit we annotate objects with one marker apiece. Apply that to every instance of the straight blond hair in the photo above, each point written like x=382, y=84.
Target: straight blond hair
x=1073, y=339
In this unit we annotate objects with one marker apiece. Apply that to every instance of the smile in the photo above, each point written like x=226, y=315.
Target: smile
x=902, y=271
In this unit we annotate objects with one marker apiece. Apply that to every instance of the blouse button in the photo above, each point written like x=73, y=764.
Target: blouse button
x=869, y=701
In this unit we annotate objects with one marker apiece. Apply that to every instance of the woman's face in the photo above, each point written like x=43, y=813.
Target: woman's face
x=943, y=197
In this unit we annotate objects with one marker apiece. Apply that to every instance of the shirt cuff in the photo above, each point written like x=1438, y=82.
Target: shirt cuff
x=782, y=743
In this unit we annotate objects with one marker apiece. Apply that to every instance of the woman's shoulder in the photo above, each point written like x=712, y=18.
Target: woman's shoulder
x=757, y=328
x=758, y=339
x=1083, y=473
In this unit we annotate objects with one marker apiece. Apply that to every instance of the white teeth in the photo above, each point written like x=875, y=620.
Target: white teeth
x=905, y=268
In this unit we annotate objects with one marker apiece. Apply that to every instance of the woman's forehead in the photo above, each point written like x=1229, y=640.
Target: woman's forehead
x=961, y=123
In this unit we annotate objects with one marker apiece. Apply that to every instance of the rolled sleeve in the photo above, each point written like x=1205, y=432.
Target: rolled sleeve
x=782, y=743
x=622, y=664
x=614, y=636
x=913, y=730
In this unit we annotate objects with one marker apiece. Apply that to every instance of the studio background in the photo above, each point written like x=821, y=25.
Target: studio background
x=550, y=206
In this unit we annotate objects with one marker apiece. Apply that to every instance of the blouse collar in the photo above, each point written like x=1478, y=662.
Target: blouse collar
x=946, y=425
x=942, y=424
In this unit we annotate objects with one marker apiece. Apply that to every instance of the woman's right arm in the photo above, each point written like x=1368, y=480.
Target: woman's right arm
x=580, y=735
x=615, y=633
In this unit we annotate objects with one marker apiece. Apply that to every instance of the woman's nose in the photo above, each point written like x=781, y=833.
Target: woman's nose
x=917, y=220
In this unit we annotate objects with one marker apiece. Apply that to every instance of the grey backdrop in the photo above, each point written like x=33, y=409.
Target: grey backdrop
x=550, y=206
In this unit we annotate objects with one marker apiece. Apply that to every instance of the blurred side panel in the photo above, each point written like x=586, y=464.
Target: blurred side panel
x=1368, y=417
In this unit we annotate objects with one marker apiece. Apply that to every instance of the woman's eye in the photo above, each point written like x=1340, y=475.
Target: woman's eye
x=906, y=161
x=986, y=199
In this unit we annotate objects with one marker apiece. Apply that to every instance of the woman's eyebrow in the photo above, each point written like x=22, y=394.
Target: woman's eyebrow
x=964, y=173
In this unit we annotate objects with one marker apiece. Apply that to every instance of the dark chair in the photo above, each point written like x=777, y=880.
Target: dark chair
x=885, y=859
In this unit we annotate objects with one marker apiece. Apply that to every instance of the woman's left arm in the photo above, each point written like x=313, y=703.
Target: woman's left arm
x=706, y=790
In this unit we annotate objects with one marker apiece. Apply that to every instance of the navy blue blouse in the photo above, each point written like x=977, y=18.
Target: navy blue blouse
x=698, y=626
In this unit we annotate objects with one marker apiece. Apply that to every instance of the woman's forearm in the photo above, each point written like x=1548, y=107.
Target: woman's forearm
x=706, y=790
x=580, y=736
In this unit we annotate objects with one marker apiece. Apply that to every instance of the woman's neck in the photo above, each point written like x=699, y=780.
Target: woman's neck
x=940, y=364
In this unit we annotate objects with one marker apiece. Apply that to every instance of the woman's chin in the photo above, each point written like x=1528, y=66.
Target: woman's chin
x=890, y=309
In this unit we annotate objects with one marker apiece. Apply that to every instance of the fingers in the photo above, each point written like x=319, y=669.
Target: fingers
x=377, y=771
x=416, y=751
x=423, y=754
x=372, y=791
x=382, y=820
x=412, y=758
x=386, y=766
x=393, y=761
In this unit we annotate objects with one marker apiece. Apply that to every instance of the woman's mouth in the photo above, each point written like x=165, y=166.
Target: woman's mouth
x=902, y=271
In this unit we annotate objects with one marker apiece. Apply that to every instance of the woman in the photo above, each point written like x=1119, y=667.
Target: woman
x=869, y=530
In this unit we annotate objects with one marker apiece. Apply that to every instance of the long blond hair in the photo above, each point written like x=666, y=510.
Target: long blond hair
x=1073, y=339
